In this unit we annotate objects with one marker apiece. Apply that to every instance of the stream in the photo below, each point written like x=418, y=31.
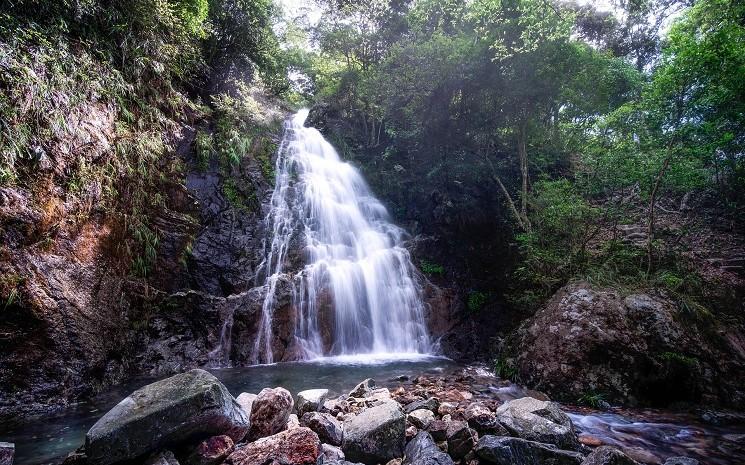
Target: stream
x=648, y=435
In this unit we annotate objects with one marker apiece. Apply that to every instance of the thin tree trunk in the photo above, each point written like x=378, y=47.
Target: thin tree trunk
x=522, y=150
x=658, y=182
x=521, y=221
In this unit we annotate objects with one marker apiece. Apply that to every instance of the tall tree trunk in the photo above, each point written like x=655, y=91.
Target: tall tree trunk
x=522, y=150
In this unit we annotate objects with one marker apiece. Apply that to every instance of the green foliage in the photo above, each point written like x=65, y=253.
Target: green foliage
x=592, y=399
x=204, y=148
x=678, y=358
x=431, y=268
x=556, y=247
x=505, y=368
x=476, y=301
x=237, y=197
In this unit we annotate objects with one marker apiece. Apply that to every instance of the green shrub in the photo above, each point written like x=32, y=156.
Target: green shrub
x=431, y=268
x=592, y=399
x=476, y=301
x=505, y=369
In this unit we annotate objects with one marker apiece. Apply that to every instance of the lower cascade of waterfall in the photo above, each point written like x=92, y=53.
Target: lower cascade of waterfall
x=354, y=291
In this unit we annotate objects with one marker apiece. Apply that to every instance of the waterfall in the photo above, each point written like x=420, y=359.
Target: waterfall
x=353, y=285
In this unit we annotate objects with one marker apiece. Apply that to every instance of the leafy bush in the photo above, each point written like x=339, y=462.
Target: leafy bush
x=476, y=301
x=431, y=268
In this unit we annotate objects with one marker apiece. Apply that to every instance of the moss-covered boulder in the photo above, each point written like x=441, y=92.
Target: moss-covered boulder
x=187, y=407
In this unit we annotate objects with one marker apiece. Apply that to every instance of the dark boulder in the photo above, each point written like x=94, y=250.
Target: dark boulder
x=328, y=428
x=185, y=407
x=422, y=450
x=606, y=455
x=501, y=450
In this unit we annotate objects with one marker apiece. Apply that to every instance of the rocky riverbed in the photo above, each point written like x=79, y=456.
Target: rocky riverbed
x=462, y=416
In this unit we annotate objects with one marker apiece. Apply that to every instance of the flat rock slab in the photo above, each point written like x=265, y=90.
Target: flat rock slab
x=186, y=407
x=298, y=446
x=501, y=450
x=538, y=420
x=375, y=435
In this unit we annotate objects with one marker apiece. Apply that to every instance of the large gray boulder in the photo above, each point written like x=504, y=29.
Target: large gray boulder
x=186, y=407
x=502, y=450
x=269, y=412
x=607, y=455
x=422, y=450
x=538, y=420
x=310, y=400
x=375, y=435
x=328, y=428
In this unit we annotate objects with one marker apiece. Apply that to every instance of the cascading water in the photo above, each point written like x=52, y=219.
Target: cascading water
x=354, y=261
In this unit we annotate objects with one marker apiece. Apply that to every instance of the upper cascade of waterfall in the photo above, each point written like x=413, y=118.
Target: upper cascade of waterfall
x=355, y=292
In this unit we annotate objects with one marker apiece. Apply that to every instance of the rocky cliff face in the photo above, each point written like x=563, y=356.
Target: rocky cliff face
x=75, y=320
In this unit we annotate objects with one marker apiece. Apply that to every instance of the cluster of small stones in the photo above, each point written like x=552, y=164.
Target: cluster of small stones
x=429, y=420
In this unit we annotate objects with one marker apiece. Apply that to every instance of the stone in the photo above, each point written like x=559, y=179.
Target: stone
x=377, y=397
x=7, y=451
x=269, y=413
x=185, y=407
x=681, y=461
x=447, y=408
x=212, y=451
x=607, y=455
x=538, y=420
x=165, y=457
x=365, y=387
x=422, y=450
x=430, y=404
x=293, y=421
x=461, y=439
x=483, y=420
x=328, y=428
x=375, y=435
x=310, y=400
x=589, y=440
x=395, y=462
x=246, y=400
x=330, y=453
x=411, y=431
x=447, y=418
x=502, y=450
x=421, y=418
x=298, y=446
x=438, y=429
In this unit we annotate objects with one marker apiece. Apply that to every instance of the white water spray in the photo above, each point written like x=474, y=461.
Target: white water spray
x=357, y=278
